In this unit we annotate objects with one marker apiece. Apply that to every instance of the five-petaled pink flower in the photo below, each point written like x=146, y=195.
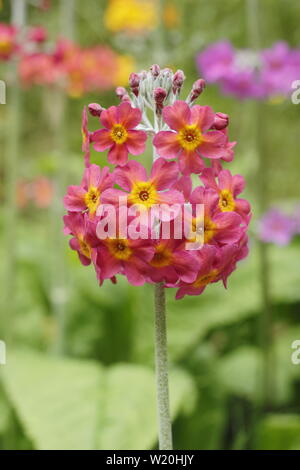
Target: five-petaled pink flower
x=146, y=192
x=124, y=255
x=87, y=196
x=119, y=134
x=215, y=264
x=190, y=137
x=84, y=239
x=228, y=188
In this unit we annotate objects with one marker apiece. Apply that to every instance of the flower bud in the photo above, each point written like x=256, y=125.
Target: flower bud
x=95, y=109
x=134, y=82
x=221, y=121
x=159, y=95
x=155, y=70
x=197, y=89
x=178, y=80
x=120, y=92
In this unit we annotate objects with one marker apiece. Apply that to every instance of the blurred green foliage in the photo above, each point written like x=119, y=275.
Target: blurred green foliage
x=101, y=393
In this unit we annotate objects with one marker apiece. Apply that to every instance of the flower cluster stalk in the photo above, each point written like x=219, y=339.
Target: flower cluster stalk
x=161, y=360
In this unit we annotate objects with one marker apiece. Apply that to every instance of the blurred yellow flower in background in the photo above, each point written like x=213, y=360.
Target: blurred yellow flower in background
x=134, y=16
x=171, y=16
x=126, y=64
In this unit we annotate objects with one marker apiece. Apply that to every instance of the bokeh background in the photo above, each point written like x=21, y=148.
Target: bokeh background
x=79, y=372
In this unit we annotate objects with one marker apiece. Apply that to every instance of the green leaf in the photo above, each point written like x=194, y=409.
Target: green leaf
x=56, y=399
x=279, y=432
x=70, y=404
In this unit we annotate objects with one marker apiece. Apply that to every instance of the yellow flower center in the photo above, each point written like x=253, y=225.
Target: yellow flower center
x=190, y=137
x=119, y=134
x=84, y=247
x=226, y=201
x=206, y=279
x=119, y=248
x=210, y=229
x=162, y=256
x=92, y=199
x=143, y=193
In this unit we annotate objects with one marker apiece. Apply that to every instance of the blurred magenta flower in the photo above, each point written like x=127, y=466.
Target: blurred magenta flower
x=246, y=74
x=276, y=227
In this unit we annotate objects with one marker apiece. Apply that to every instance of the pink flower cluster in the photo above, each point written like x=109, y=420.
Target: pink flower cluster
x=185, y=137
x=248, y=74
x=78, y=70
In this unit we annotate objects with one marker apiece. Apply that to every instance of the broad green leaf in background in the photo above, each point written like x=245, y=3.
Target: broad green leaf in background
x=240, y=370
x=279, y=432
x=72, y=404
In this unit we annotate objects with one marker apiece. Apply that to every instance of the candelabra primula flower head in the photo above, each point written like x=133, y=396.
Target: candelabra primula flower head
x=153, y=226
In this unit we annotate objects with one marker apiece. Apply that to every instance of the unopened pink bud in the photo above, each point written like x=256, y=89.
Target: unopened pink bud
x=178, y=80
x=95, y=109
x=221, y=121
x=134, y=82
x=155, y=70
x=197, y=89
x=134, y=79
x=126, y=98
x=120, y=92
x=159, y=95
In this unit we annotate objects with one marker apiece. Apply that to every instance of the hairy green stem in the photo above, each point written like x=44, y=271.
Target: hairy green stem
x=161, y=360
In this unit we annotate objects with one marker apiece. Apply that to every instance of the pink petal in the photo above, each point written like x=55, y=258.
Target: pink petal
x=203, y=116
x=229, y=230
x=164, y=174
x=212, y=145
x=74, y=199
x=171, y=197
x=178, y=115
x=108, y=264
x=225, y=180
x=242, y=207
x=190, y=162
x=167, y=144
x=101, y=140
x=136, y=142
x=208, y=178
x=189, y=290
x=186, y=265
x=128, y=116
x=91, y=176
x=238, y=184
x=130, y=174
x=108, y=117
x=118, y=155
x=184, y=185
x=111, y=196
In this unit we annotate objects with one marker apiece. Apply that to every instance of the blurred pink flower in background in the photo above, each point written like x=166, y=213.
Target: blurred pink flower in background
x=246, y=74
x=276, y=227
x=8, y=44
